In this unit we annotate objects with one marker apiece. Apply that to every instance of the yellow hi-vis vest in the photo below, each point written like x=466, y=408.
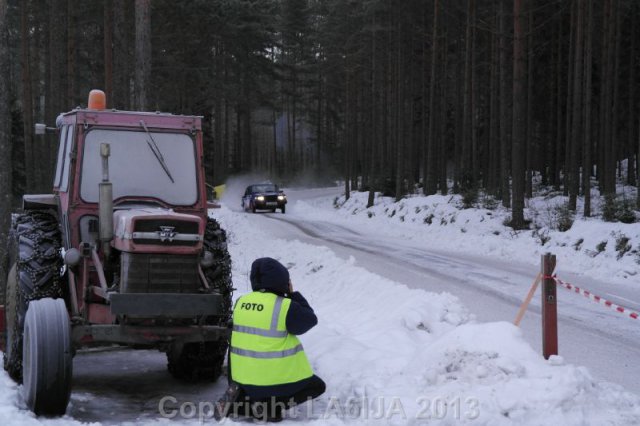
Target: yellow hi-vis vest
x=262, y=352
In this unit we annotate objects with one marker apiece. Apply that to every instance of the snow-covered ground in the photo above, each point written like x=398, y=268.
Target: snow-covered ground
x=378, y=339
x=394, y=355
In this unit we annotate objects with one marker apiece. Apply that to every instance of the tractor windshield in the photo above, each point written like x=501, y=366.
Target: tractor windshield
x=135, y=170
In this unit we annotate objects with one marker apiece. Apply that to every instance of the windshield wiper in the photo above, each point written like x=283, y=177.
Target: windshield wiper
x=156, y=151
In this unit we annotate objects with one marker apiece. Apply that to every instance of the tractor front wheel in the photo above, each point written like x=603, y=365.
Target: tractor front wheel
x=204, y=360
x=47, y=357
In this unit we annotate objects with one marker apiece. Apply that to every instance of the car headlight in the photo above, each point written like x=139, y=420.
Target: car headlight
x=281, y=198
x=260, y=198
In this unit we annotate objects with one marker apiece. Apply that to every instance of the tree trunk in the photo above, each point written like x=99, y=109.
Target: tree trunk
x=559, y=109
x=346, y=135
x=319, y=128
x=519, y=111
x=529, y=120
x=467, y=167
x=604, y=100
x=566, y=181
x=108, y=50
x=548, y=165
x=5, y=137
x=615, y=144
x=373, y=140
x=631, y=169
x=442, y=158
x=432, y=150
x=493, y=181
x=143, y=52
x=586, y=153
x=72, y=27
x=576, y=122
x=31, y=172
x=504, y=114
x=473, y=102
x=458, y=120
x=294, y=123
x=56, y=93
x=121, y=88
x=608, y=101
x=219, y=148
x=399, y=115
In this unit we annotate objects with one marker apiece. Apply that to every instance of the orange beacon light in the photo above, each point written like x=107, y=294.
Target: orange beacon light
x=97, y=100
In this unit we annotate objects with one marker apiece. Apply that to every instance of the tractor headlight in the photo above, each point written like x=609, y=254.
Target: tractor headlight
x=260, y=198
x=72, y=257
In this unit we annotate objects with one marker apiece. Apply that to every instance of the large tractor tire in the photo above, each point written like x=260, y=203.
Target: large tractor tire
x=203, y=360
x=47, y=357
x=34, y=273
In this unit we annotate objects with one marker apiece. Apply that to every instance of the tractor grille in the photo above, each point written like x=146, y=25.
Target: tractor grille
x=153, y=225
x=159, y=273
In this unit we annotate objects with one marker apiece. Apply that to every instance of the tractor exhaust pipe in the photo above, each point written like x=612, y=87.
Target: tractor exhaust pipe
x=105, y=204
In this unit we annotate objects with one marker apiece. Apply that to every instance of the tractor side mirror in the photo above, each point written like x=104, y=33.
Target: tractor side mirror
x=41, y=129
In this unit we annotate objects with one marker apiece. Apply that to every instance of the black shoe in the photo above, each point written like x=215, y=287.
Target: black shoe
x=222, y=408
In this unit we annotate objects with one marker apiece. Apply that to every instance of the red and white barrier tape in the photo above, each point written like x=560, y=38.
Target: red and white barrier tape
x=597, y=299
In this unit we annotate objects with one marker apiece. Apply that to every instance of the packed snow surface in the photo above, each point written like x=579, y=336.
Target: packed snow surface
x=394, y=355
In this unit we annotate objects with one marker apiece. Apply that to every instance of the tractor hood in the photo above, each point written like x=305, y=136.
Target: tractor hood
x=157, y=230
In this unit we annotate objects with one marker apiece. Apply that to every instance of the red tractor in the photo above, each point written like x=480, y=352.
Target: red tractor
x=123, y=252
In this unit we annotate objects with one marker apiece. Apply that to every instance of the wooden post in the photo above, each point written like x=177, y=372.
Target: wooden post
x=549, y=307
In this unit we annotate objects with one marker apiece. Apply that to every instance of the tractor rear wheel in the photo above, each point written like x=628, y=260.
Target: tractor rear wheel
x=204, y=360
x=34, y=273
x=47, y=357
x=199, y=361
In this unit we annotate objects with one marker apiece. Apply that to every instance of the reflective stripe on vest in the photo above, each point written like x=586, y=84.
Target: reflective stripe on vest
x=259, y=331
x=262, y=352
x=267, y=355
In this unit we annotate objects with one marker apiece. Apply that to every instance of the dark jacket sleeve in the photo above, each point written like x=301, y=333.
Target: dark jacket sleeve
x=300, y=317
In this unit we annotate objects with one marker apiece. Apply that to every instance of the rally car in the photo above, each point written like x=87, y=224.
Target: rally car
x=264, y=196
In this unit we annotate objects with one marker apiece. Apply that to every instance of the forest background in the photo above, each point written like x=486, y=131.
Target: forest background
x=497, y=97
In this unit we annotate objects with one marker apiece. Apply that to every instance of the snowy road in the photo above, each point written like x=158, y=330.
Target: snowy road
x=589, y=334
x=115, y=386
